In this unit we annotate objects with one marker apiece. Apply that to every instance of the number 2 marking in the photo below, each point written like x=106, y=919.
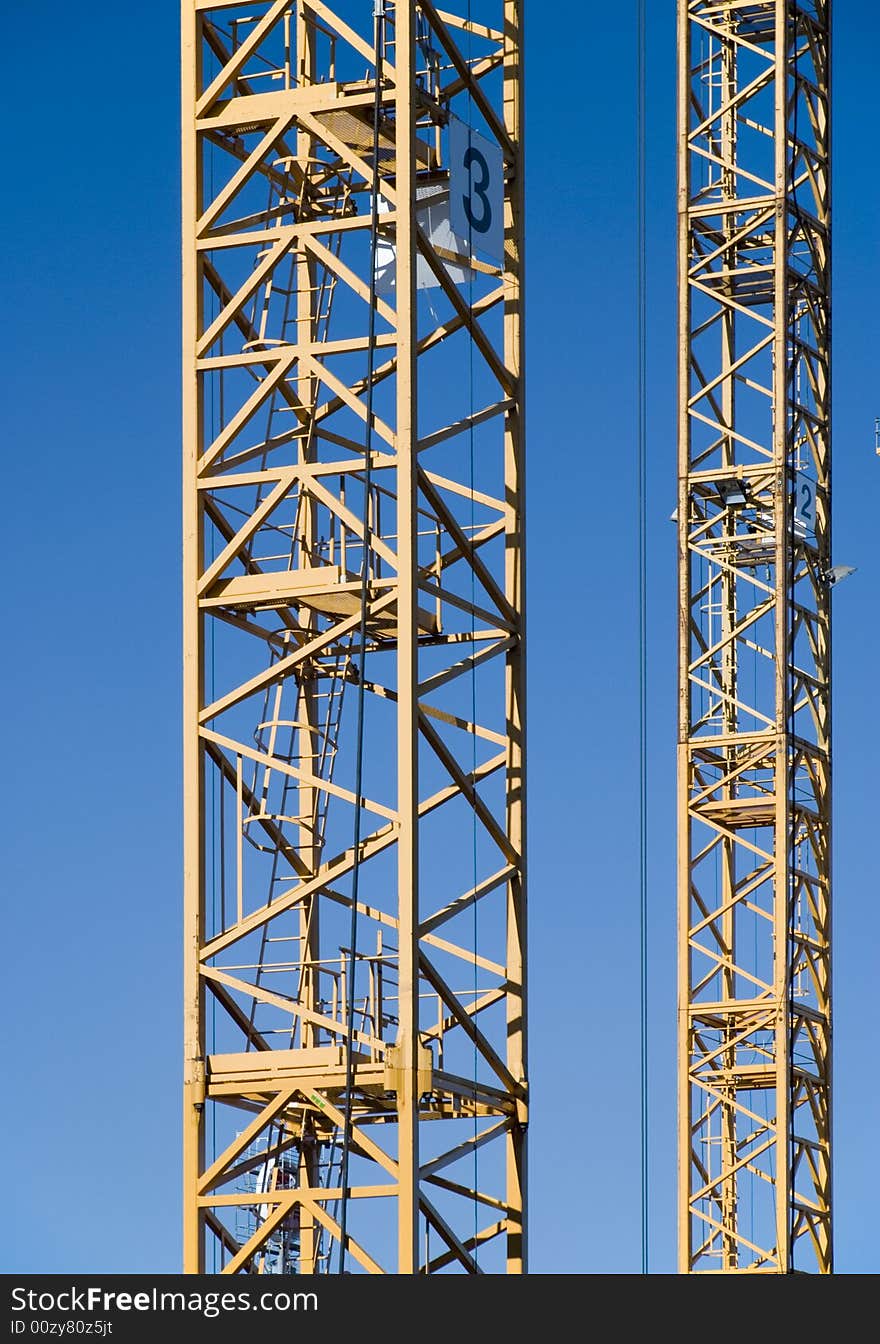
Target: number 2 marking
x=482, y=222
x=807, y=501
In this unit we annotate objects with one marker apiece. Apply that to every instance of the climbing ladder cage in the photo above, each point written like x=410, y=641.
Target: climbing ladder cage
x=277, y=1167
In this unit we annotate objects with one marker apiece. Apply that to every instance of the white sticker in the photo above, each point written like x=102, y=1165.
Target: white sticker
x=476, y=179
x=432, y=213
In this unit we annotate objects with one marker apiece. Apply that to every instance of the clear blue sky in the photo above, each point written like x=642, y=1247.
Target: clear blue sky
x=90, y=674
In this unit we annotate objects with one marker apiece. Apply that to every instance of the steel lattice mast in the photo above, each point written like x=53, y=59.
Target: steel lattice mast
x=283, y=532
x=755, y=671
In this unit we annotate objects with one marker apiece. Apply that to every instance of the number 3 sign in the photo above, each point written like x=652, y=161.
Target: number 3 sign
x=476, y=182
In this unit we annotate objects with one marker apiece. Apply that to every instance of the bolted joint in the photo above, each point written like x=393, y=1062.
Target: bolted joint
x=395, y=1070
x=195, y=1084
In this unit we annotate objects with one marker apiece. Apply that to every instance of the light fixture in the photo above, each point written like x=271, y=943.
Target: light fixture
x=838, y=572
x=734, y=492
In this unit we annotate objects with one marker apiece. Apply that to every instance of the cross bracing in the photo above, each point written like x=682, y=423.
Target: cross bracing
x=313, y=576
x=755, y=669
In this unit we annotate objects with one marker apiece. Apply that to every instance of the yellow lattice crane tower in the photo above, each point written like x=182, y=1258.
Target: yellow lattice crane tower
x=755, y=660
x=355, y=1088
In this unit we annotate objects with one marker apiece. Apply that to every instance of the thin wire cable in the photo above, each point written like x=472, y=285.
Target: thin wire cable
x=474, y=839
x=214, y=304
x=788, y=654
x=378, y=39
x=476, y=921
x=643, y=641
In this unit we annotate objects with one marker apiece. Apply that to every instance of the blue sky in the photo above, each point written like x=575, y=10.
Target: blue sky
x=90, y=677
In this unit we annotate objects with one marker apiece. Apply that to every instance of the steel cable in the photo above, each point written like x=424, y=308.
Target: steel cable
x=378, y=41
x=642, y=602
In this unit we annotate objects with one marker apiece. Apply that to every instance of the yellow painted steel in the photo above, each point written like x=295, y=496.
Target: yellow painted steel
x=754, y=520
x=280, y=535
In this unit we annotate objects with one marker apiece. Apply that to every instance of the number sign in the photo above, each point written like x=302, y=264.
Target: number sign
x=477, y=190
x=805, y=504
